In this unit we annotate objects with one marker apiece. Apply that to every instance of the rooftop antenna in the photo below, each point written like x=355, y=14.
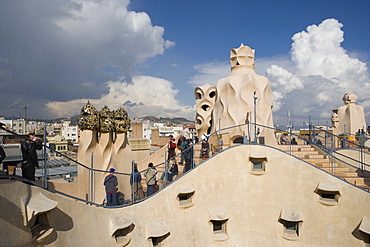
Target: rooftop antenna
x=25, y=110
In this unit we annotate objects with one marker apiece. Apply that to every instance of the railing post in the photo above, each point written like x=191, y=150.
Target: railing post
x=332, y=154
x=326, y=135
x=91, y=179
x=361, y=159
x=164, y=173
x=255, y=97
x=290, y=141
x=45, y=180
x=133, y=181
x=345, y=137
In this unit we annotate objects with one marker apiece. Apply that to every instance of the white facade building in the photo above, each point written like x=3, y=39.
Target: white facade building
x=70, y=133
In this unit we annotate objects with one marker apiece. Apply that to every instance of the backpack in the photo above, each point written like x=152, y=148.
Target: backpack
x=172, y=145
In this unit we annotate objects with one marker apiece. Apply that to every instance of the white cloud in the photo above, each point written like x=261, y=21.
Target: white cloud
x=146, y=96
x=169, y=44
x=325, y=70
x=118, y=37
x=318, y=52
x=278, y=100
x=209, y=73
x=68, y=49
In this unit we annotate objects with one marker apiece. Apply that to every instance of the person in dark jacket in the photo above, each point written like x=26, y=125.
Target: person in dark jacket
x=174, y=170
x=136, y=189
x=204, y=152
x=189, y=156
x=2, y=154
x=110, y=183
x=30, y=160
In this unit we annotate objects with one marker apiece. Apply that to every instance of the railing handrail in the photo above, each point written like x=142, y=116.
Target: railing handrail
x=217, y=132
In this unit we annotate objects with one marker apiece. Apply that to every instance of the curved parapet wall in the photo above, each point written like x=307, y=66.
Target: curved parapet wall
x=235, y=100
x=205, y=99
x=240, y=203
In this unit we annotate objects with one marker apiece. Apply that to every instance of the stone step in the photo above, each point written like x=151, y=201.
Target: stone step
x=314, y=156
x=358, y=181
x=306, y=149
x=365, y=187
x=327, y=165
x=294, y=147
x=337, y=169
x=351, y=173
x=345, y=174
x=303, y=154
x=314, y=161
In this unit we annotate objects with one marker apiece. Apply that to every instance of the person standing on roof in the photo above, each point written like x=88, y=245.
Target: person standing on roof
x=189, y=156
x=2, y=154
x=171, y=147
x=136, y=188
x=184, y=144
x=30, y=160
x=111, y=183
x=150, y=175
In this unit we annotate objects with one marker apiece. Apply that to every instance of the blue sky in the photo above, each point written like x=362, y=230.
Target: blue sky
x=62, y=53
x=204, y=31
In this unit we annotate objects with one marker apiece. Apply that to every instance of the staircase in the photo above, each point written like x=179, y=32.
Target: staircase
x=346, y=172
x=161, y=169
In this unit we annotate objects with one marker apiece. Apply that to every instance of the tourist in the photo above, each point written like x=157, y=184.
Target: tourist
x=150, y=175
x=184, y=144
x=30, y=160
x=137, y=192
x=171, y=147
x=172, y=171
x=8, y=166
x=189, y=156
x=110, y=183
x=204, y=152
x=284, y=139
x=294, y=142
x=2, y=154
x=319, y=142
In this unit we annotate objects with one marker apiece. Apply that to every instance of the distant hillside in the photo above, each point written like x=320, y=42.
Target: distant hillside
x=73, y=119
x=175, y=120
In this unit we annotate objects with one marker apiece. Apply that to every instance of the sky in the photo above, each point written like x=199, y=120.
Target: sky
x=148, y=56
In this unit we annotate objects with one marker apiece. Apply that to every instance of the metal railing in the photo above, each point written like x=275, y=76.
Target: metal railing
x=335, y=145
x=53, y=159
